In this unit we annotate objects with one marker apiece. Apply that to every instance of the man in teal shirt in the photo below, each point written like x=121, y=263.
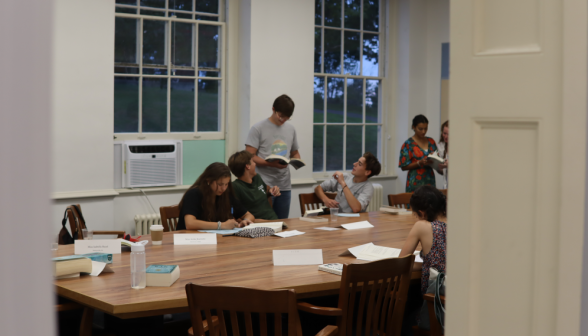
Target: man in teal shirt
x=249, y=187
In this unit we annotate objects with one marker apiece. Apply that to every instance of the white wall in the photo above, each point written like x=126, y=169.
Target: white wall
x=26, y=289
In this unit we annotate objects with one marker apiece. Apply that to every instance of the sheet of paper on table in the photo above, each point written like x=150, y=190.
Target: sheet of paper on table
x=375, y=252
x=194, y=239
x=357, y=225
x=100, y=267
x=298, y=257
x=326, y=228
x=286, y=234
x=348, y=214
x=417, y=257
x=223, y=232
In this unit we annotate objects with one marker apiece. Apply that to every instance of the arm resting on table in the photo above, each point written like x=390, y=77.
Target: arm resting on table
x=326, y=311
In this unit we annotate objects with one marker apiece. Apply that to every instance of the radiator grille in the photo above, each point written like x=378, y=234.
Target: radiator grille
x=377, y=199
x=147, y=172
x=144, y=222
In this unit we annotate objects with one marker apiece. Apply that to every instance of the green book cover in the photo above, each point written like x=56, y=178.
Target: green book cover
x=101, y=257
x=161, y=269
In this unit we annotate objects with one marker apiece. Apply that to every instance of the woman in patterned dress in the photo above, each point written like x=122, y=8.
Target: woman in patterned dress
x=430, y=207
x=414, y=156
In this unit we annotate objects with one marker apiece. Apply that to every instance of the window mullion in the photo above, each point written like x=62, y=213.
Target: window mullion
x=141, y=76
x=195, y=39
x=168, y=58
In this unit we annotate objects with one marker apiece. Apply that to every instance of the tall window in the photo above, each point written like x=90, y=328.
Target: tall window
x=347, y=83
x=168, y=76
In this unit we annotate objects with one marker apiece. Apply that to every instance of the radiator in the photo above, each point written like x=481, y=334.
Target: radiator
x=143, y=222
x=377, y=199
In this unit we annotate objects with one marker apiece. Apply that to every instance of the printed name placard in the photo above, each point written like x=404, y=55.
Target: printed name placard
x=298, y=257
x=97, y=245
x=195, y=239
x=357, y=225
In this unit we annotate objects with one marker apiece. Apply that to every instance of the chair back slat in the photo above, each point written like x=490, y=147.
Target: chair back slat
x=311, y=201
x=236, y=305
x=400, y=200
x=169, y=217
x=376, y=293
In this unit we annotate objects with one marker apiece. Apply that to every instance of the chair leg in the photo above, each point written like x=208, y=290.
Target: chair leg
x=87, y=321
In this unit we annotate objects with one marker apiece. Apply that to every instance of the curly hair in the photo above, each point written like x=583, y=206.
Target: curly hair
x=430, y=201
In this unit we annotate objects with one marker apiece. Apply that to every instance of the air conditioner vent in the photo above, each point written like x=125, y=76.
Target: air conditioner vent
x=152, y=149
x=152, y=172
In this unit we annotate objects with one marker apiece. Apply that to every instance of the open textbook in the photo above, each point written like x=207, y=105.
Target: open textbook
x=294, y=162
x=276, y=226
x=435, y=160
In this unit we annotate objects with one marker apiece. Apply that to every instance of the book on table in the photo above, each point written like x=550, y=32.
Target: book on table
x=395, y=211
x=70, y=265
x=335, y=268
x=294, y=162
x=162, y=275
x=323, y=210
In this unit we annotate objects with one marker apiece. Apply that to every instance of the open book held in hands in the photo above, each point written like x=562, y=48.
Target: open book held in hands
x=436, y=160
x=294, y=162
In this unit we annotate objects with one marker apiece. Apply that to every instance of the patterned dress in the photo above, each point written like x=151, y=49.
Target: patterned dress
x=437, y=255
x=411, y=153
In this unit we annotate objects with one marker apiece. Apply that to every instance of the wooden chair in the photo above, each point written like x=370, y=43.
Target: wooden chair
x=436, y=329
x=170, y=216
x=228, y=301
x=77, y=223
x=311, y=201
x=400, y=200
x=384, y=288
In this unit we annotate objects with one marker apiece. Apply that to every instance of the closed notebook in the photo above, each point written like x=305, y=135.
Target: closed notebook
x=335, y=268
x=71, y=264
x=162, y=275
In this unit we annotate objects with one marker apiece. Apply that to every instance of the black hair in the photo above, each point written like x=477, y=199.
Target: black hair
x=372, y=164
x=284, y=105
x=420, y=119
x=430, y=201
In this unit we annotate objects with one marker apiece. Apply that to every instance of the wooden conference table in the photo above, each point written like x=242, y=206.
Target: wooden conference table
x=234, y=261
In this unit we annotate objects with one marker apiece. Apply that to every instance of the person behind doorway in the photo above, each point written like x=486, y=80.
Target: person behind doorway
x=414, y=153
x=249, y=187
x=444, y=150
x=209, y=204
x=274, y=136
x=354, y=192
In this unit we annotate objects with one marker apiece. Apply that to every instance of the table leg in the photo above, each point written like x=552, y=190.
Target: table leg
x=87, y=321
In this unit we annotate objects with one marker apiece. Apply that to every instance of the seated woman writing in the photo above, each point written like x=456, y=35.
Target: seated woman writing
x=430, y=207
x=210, y=204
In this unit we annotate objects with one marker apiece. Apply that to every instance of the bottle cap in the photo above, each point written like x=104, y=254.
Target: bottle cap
x=137, y=248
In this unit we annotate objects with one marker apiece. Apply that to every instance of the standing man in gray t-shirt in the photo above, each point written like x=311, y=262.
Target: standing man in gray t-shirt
x=274, y=136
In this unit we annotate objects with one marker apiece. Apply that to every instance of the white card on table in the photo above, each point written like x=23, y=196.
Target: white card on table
x=357, y=225
x=291, y=233
x=348, y=214
x=194, y=239
x=298, y=257
x=99, y=267
x=326, y=228
x=97, y=246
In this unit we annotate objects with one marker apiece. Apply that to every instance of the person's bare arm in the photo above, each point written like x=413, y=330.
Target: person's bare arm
x=261, y=162
x=248, y=218
x=329, y=203
x=195, y=224
x=417, y=165
x=412, y=241
x=295, y=154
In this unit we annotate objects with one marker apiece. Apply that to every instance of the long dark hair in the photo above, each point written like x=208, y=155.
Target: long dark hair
x=430, y=201
x=213, y=212
x=445, y=124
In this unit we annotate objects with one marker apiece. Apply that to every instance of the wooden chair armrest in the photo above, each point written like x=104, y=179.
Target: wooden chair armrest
x=120, y=234
x=329, y=330
x=204, y=326
x=431, y=297
x=325, y=311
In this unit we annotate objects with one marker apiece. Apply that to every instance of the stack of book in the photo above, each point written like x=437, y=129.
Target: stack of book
x=71, y=266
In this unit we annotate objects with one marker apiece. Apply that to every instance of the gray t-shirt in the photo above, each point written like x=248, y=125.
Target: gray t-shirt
x=270, y=138
x=363, y=192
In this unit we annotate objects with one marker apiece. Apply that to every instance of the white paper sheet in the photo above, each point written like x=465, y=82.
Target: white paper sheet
x=357, y=225
x=297, y=257
x=100, y=267
x=375, y=252
x=357, y=249
x=326, y=228
x=348, y=214
x=286, y=234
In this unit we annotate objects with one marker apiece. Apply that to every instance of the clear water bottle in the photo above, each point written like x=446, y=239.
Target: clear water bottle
x=138, y=275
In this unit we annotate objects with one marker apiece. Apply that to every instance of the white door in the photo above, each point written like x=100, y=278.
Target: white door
x=518, y=162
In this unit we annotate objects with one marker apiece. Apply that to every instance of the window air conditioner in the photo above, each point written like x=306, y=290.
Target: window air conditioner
x=147, y=163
